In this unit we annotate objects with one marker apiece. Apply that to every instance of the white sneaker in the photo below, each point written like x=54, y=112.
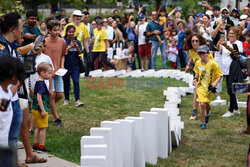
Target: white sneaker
x=228, y=114
x=193, y=117
x=236, y=112
x=79, y=103
x=20, y=145
x=218, y=98
x=66, y=102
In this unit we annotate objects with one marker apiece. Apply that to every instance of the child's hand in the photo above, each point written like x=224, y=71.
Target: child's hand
x=51, y=92
x=44, y=114
x=194, y=82
x=213, y=85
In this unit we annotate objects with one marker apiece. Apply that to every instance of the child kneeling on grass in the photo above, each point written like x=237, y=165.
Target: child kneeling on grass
x=208, y=73
x=40, y=106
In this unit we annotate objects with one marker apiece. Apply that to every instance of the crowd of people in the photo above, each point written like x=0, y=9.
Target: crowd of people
x=213, y=45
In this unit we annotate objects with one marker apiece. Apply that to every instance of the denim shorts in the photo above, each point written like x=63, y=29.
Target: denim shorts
x=57, y=83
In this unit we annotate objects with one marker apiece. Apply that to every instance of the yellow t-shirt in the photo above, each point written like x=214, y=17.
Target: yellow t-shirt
x=99, y=40
x=208, y=73
x=194, y=55
x=162, y=20
x=81, y=33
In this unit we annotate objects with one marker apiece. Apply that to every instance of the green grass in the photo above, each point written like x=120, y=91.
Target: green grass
x=218, y=145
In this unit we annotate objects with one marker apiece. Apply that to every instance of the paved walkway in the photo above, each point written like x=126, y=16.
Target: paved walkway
x=52, y=161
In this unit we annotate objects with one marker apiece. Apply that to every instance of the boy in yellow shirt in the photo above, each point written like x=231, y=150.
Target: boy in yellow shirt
x=207, y=76
x=162, y=24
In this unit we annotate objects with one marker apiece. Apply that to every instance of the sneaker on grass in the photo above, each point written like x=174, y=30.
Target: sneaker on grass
x=79, y=103
x=43, y=150
x=58, y=122
x=193, y=117
x=236, y=112
x=228, y=114
x=66, y=102
x=203, y=125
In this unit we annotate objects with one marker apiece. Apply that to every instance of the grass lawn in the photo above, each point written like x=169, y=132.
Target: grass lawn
x=218, y=145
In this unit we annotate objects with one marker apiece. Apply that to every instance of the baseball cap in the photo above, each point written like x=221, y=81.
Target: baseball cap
x=99, y=22
x=243, y=17
x=141, y=16
x=225, y=8
x=77, y=13
x=203, y=48
x=199, y=14
x=209, y=12
x=235, y=9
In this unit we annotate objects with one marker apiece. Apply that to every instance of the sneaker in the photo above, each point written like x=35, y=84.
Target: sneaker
x=203, y=125
x=31, y=132
x=35, y=149
x=236, y=112
x=218, y=98
x=79, y=103
x=58, y=122
x=193, y=117
x=66, y=102
x=44, y=150
x=20, y=145
x=228, y=114
x=207, y=116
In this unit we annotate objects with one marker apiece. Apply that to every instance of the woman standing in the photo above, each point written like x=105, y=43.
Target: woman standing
x=227, y=49
x=74, y=49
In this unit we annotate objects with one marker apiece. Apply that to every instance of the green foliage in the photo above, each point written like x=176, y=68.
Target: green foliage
x=11, y=6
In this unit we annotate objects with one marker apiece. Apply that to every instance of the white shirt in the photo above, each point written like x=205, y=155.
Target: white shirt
x=141, y=37
x=226, y=58
x=110, y=32
x=5, y=117
x=40, y=59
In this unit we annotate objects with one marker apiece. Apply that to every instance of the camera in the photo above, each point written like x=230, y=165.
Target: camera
x=211, y=89
x=4, y=105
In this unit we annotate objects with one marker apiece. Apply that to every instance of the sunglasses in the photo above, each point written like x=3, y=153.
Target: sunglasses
x=193, y=41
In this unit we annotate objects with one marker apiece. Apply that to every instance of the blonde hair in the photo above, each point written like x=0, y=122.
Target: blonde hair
x=43, y=67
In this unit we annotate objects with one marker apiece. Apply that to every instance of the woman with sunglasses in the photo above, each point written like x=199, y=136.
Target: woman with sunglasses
x=192, y=43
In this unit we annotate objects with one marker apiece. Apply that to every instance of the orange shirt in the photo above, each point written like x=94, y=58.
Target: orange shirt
x=55, y=50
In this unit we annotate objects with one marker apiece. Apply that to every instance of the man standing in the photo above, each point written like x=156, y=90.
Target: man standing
x=152, y=30
x=30, y=30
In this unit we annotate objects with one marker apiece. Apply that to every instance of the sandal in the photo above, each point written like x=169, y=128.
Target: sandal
x=35, y=160
x=243, y=131
x=22, y=164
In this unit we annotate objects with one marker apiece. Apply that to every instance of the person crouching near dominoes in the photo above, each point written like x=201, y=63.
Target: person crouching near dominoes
x=208, y=75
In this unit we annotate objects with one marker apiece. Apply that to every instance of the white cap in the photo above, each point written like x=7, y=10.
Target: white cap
x=77, y=13
x=224, y=9
x=209, y=12
x=243, y=17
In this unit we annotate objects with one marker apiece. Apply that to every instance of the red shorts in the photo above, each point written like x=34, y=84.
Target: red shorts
x=145, y=50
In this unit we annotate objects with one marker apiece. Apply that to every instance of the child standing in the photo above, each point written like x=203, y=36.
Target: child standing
x=40, y=106
x=172, y=52
x=162, y=24
x=207, y=74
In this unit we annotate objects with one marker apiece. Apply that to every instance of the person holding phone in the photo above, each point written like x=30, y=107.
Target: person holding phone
x=192, y=27
x=231, y=73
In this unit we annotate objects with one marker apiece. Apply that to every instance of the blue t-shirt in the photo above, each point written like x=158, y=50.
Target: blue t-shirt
x=151, y=27
x=181, y=39
x=26, y=29
x=72, y=58
x=41, y=88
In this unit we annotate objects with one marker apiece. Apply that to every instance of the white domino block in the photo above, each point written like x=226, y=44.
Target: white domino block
x=170, y=104
x=90, y=140
x=94, y=161
x=218, y=103
x=128, y=141
x=105, y=73
x=107, y=133
x=160, y=73
x=174, y=135
x=139, y=141
x=169, y=135
x=162, y=131
x=95, y=72
x=117, y=141
x=116, y=73
x=151, y=136
x=149, y=73
x=242, y=104
x=97, y=149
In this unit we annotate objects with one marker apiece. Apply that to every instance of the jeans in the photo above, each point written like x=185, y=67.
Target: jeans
x=233, y=101
x=15, y=124
x=75, y=74
x=155, y=45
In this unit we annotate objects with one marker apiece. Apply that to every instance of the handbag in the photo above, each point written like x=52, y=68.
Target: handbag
x=82, y=65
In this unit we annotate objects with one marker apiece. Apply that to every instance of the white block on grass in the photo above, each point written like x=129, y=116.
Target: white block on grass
x=150, y=136
x=139, y=160
x=128, y=74
x=94, y=161
x=162, y=131
x=95, y=149
x=107, y=133
x=160, y=73
x=128, y=141
x=169, y=135
x=116, y=73
x=170, y=104
x=149, y=73
x=117, y=141
x=218, y=103
x=175, y=138
x=89, y=140
x=242, y=104
x=93, y=73
x=105, y=73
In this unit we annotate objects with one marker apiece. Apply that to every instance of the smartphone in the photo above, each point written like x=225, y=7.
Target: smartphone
x=41, y=38
x=200, y=3
x=236, y=47
x=179, y=8
x=4, y=105
x=240, y=88
x=191, y=23
x=222, y=36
